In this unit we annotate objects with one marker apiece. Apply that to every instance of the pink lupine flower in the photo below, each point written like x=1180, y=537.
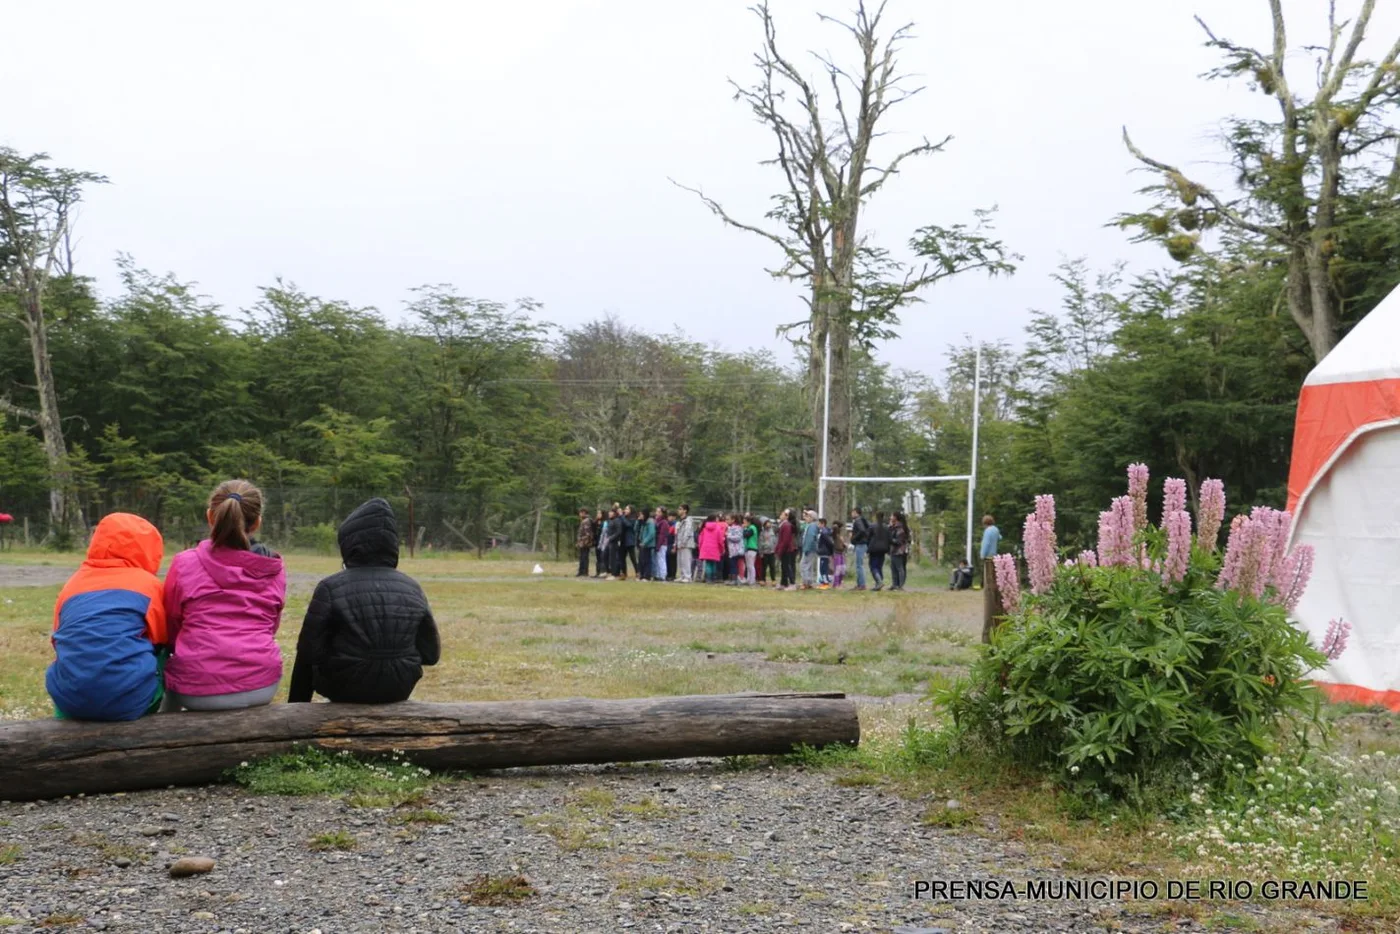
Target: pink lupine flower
x=1173, y=497
x=1273, y=547
x=1253, y=572
x=1088, y=559
x=1123, y=508
x=1137, y=491
x=1211, y=513
x=1178, y=546
x=1282, y=567
x=1008, y=581
x=1116, y=534
x=1301, y=565
x=1235, y=546
x=1038, y=539
x=1107, y=537
x=1254, y=558
x=1335, y=642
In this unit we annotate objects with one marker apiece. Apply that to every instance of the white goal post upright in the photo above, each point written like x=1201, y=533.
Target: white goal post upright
x=970, y=477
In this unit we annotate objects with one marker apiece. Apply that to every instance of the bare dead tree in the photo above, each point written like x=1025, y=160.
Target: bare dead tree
x=1291, y=170
x=824, y=154
x=36, y=208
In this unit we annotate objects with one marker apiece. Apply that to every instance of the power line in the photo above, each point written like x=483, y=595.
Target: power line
x=620, y=384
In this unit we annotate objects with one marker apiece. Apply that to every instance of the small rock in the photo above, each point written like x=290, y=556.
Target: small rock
x=121, y=862
x=190, y=866
x=203, y=916
x=172, y=818
x=772, y=836
x=420, y=857
x=156, y=831
x=953, y=804
x=726, y=888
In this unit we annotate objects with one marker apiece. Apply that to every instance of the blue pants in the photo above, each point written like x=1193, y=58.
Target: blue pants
x=860, y=565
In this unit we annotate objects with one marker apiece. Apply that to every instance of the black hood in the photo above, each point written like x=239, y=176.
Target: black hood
x=369, y=536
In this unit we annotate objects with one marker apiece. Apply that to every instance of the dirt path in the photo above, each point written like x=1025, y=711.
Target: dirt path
x=685, y=847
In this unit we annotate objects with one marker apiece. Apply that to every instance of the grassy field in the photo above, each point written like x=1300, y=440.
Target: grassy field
x=508, y=633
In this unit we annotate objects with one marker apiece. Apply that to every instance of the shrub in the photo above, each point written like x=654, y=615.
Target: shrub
x=318, y=538
x=1151, y=658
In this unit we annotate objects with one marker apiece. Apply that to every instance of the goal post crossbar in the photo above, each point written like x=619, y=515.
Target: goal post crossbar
x=970, y=479
x=958, y=476
x=970, y=476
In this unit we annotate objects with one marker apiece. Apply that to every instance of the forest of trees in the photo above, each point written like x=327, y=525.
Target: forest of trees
x=496, y=423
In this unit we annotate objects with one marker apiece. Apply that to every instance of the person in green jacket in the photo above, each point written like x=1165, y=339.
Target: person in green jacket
x=750, y=550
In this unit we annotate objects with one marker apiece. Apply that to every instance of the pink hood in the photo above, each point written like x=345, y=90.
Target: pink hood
x=712, y=541
x=223, y=607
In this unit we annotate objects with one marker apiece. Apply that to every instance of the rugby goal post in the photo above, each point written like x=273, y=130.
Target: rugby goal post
x=970, y=477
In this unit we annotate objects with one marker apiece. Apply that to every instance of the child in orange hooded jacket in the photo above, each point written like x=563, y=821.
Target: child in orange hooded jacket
x=109, y=626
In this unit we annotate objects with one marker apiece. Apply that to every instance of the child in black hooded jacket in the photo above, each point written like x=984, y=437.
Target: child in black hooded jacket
x=368, y=631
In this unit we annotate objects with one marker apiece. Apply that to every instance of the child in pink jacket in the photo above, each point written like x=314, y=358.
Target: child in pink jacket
x=223, y=604
x=712, y=547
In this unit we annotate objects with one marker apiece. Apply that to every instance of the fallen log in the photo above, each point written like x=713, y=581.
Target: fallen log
x=51, y=758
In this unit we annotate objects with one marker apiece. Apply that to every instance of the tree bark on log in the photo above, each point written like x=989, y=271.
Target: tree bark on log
x=51, y=758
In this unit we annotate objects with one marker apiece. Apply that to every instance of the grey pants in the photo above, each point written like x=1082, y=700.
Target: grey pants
x=237, y=701
x=685, y=564
x=809, y=569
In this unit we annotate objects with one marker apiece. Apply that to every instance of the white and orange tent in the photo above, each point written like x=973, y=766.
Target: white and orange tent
x=1344, y=493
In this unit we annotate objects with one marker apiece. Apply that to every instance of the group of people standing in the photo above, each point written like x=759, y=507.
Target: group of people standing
x=796, y=551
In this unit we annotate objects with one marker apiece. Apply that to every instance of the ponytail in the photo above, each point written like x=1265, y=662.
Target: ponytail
x=235, y=508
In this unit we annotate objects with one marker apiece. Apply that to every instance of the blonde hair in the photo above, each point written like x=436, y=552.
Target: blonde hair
x=235, y=507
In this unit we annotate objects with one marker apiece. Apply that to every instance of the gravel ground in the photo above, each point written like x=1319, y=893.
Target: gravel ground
x=683, y=847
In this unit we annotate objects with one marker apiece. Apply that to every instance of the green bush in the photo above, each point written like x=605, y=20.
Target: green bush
x=318, y=538
x=1133, y=676
x=1113, y=681
x=62, y=540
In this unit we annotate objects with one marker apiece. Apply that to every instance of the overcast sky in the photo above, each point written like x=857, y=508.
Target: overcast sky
x=524, y=148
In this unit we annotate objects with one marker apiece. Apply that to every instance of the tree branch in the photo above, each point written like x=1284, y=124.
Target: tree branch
x=924, y=148
x=1225, y=209
x=1334, y=32
x=18, y=411
x=1343, y=65
x=796, y=258
x=1374, y=86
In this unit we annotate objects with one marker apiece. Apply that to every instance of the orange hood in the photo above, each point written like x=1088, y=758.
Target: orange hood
x=124, y=540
